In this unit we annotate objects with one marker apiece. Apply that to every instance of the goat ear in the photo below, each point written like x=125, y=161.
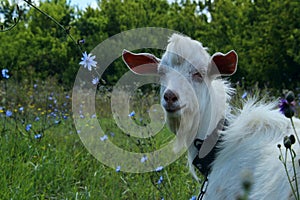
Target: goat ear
x=142, y=63
x=224, y=64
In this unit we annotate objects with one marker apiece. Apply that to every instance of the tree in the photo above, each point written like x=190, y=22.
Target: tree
x=265, y=35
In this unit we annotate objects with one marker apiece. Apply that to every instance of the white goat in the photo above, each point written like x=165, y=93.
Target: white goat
x=196, y=103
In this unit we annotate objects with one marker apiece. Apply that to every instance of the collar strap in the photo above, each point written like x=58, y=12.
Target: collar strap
x=204, y=164
x=207, y=149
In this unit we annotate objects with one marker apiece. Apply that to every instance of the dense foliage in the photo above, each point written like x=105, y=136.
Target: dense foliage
x=265, y=34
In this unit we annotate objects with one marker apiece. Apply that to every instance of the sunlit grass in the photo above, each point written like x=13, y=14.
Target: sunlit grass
x=56, y=165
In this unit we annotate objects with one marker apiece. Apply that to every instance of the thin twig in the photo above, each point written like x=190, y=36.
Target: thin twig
x=67, y=30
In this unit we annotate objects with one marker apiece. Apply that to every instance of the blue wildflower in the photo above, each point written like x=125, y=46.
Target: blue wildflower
x=28, y=127
x=160, y=180
x=158, y=169
x=5, y=73
x=132, y=114
x=118, y=169
x=88, y=61
x=103, y=138
x=38, y=136
x=193, y=198
x=8, y=113
x=244, y=95
x=144, y=159
x=37, y=119
x=82, y=41
x=95, y=80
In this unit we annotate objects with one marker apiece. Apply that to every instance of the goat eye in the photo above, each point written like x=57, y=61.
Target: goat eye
x=197, y=76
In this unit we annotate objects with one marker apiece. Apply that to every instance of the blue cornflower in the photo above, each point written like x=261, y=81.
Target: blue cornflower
x=144, y=159
x=82, y=41
x=158, y=169
x=193, y=198
x=118, y=169
x=37, y=119
x=38, y=136
x=88, y=61
x=95, y=80
x=8, y=113
x=103, y=138
x=52, y=114
x=28, y=127
x=132, y=114
x=21, y=109
x=160, y=180
x=244, y=95
x=5, y=73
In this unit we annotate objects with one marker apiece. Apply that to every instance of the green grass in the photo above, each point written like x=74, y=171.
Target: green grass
x=58, y=166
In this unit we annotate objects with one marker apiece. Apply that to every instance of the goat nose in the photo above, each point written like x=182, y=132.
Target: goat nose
x=170, y=96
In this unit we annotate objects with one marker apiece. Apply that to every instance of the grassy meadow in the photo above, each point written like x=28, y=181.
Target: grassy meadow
x=42, y=156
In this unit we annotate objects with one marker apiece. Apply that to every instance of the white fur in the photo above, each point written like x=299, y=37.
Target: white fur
x=250, y=145
x=250, y=142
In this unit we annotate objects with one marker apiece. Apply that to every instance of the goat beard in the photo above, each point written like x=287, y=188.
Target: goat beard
x=185, y=127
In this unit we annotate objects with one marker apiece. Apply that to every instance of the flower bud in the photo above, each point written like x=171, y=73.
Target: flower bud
x=290, y=96
x=289, y=112
x=293, y=139
x=287, y=142
x=81, y=41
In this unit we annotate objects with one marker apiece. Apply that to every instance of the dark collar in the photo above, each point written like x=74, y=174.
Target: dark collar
x=204, y=164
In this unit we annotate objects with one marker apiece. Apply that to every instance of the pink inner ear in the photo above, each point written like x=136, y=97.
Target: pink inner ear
x=142, y=63
x=227, y=63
